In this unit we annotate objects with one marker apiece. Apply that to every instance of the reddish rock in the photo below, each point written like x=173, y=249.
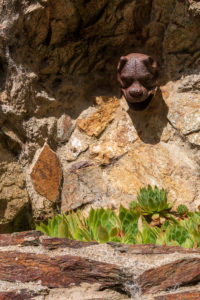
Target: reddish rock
x=179, y=273
x=58, y=271
x=151, y=249
x=19, y=295
x=46, y=174
x=25, y=238
x=55, y=243
x=195, y=295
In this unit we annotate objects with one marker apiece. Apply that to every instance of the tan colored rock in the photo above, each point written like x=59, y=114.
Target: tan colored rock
x=78, y=143
x=183, y=100
x=82, y=186
x=46, y=174
x=104, y=153
x=136, y=149
x=99, y=120
x=164, y=165
x=64, y=128
x=194, y=7
x=14, y=202
x=121, y=131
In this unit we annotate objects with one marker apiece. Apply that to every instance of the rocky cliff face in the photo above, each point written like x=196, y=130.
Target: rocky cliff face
x=66, y=138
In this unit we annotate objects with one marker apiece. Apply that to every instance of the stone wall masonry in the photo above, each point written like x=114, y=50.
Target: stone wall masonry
x=34, y=266
x=70, y=139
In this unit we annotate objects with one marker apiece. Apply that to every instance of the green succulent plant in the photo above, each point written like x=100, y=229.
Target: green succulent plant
x=182, y=209
x=153, y=200
x=178, y=236
x=135, y=225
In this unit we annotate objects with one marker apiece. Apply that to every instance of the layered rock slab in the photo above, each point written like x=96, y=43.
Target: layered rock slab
x=45, y=268
x=193, y=295
x=179, y=273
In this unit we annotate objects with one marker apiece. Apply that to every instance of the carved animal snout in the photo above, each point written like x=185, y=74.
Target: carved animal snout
x=136, y=92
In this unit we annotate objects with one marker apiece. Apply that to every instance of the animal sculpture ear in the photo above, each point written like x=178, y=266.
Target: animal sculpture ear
x=151, y=65
x=121, y=64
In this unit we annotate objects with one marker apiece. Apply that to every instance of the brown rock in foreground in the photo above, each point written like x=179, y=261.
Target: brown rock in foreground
x=25, y=238
x=46, y=174
x=195, y=295
x=150, y=249
x=179, y=273
x=55, y=243
x=59, y=271
x=18, y=295
x=34, y=265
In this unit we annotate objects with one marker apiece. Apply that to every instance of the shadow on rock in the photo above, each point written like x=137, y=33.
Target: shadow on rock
x=151, y=122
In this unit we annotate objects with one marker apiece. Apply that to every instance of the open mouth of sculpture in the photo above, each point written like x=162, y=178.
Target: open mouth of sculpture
x=140, y=105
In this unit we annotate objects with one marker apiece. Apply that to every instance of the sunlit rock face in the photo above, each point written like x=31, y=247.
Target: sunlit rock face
x=58, y=87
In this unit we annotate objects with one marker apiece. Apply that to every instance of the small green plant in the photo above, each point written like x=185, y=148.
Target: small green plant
x=152, y=201
x=182, y=210
x=148, y=220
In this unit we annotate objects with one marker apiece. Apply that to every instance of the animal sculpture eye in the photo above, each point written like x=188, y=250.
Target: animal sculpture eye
x=126, y=81
x=147, y=82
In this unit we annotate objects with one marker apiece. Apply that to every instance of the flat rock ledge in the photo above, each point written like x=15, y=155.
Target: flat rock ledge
x=34, y=266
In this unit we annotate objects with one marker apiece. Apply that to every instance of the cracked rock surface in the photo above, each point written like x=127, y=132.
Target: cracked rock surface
x=67, y=140
x=44, y=268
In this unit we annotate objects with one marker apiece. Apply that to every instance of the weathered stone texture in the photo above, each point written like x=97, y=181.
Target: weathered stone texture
x=46, y=174
x=66, y=270
x=56, y=57
x=100, y=119
x=136, y=149
x=14, y=202
x=183, y=101
x=179, y=273
x=34, y=266
x=64, y=128
x=81, y=187
x=195, y=295
x=164, y=165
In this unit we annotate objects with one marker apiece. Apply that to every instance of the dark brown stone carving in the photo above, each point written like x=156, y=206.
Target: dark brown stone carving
x=137, y=75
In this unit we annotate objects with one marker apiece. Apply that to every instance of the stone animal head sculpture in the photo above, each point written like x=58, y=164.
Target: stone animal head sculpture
x=137, y=75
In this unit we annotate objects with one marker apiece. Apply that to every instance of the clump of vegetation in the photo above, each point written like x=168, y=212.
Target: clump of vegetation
x=149, y=220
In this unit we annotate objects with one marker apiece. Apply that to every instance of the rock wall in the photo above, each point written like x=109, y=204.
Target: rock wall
x=46, y=268
x=65, y=134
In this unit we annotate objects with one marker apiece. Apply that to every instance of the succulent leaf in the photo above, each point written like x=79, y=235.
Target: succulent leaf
x=182, y=209
x=103, y=236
